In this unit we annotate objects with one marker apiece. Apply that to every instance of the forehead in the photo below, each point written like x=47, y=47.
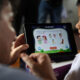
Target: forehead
x=6, y=14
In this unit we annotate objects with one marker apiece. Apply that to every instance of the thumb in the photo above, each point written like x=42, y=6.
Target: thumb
x=19, y=40
x=27, y=60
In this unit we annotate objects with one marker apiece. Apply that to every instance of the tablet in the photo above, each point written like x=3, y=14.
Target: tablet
x=56, y=40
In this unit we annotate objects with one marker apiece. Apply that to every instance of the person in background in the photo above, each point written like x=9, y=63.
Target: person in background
x=53, y=8
x=11, y=47
x=27, y=9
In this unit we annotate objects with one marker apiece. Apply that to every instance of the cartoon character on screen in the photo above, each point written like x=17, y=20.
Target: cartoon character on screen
x=60, y=35
x=45, y=39
x=54, y=35
x=50, y=36
x=62, y=40
x=39, y=39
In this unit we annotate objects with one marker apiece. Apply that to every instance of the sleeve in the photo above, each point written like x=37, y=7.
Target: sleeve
x=74, y=72
x=15, y=74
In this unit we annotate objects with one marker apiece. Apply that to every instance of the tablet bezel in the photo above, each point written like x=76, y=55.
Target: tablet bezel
x=60, y=56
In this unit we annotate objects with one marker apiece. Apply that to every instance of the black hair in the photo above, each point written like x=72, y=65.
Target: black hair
x=3, y=3
x=38, y=37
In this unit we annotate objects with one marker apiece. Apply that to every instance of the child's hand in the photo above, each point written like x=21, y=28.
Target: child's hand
x=39, y=65
x=17, y=47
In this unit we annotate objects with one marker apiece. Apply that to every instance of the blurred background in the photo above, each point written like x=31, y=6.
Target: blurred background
x=69, y=12
x=72, y=13
x=30, y=10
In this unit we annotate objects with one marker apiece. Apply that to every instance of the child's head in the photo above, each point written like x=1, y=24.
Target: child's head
x=6, y=10
x=44, y=37
x=7, y=33
x=38, y=37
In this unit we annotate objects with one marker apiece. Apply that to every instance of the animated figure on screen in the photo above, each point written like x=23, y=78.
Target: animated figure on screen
x=39, y=39
x=62, y=42
x=50, y=36
x=45, y=39
x=60, y=35
x=54, y=35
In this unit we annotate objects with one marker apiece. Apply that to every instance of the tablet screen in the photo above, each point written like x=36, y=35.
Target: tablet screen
x=51, y=39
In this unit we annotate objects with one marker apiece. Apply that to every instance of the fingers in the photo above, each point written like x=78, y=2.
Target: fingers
x=35, y=55
x=35, y=59
x=12, y=47
x=39, y=57
x=20, y=40
x=79, y=31
x=20, y=37
x=19, y=49
x=78, y=26
x=28, y=60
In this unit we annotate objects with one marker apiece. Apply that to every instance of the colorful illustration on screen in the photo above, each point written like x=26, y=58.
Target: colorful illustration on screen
x=51, y=40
